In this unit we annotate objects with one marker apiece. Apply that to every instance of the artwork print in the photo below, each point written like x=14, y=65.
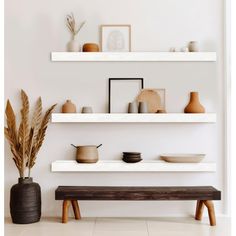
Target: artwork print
x=115, y=38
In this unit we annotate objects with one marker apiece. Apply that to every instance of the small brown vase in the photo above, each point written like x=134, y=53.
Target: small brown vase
x=90, y=47
x=194, y=105
x=68, y=107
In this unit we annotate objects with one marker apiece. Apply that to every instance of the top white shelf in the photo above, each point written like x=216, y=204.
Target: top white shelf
x=133, y=118
x=134, y=56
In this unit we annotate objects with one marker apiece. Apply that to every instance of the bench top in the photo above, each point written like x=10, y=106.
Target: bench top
x=140, y=193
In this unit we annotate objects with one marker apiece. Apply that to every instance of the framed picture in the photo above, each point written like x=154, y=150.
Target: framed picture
x=121, y=92
x=115, y=38
x=154, y=97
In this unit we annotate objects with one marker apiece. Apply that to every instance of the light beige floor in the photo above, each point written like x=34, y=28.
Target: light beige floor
x=121, y=227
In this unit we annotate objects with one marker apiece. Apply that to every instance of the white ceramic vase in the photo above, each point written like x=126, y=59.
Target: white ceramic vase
x=73, y=46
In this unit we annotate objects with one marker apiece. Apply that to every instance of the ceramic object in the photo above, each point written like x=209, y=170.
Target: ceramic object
x=143, y=107
x=194, y=106
x=87, y=110
x=172, y=49
x=184, y=49
x=161, y=111
x=133, y=107
x=90, y=47
x=87, y=154
x=152, y=98
x=73, y=46
x=131, y=160
x=183, y=158
x=131, y=153
x=193, y=46
x=68, y=107
x=25, y=202
x=132, y=156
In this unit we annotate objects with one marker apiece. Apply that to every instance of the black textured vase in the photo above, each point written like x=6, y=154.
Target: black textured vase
x=25, y=202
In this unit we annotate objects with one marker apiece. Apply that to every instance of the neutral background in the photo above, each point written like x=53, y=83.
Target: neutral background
x=35, y=28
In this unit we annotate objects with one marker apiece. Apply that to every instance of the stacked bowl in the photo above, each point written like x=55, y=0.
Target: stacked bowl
x=131, y=157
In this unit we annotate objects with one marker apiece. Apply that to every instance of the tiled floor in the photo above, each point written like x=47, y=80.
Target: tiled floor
x=121, y=227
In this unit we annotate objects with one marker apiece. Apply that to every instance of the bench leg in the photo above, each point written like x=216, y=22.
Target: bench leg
x=211, y=212
x=76, y=210
x=65, y=207
x=199, y=210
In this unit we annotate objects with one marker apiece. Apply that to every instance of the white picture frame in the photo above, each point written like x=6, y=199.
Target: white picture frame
x=115, y=38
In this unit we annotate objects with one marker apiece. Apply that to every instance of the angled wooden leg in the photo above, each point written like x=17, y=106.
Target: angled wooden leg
x=65, y=207
x=76, y=210
x=199, y=210
x=211, y=212
x=197, y=206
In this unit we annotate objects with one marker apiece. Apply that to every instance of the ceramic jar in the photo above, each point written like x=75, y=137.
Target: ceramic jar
x=68, y=107
x=90, y=47
x=193, y=46
x=194, y=106
x=25, y=201
x=133, y=107
x=143, y=107
x=73, y=46
x=87, y=154
x=87, y=110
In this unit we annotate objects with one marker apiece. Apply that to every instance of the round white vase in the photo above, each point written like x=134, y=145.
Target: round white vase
x=73, y=46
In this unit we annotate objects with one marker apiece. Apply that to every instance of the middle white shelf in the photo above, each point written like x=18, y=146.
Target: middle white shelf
x=135, y=118
x=120, y=166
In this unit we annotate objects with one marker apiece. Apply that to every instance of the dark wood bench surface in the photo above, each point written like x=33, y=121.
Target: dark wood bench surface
x=137, y=193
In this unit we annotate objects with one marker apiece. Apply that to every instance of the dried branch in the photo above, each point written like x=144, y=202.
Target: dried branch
x=71, y=24
x=36, y=121
x=23, y=134
x=26, y=143
x=40, y=136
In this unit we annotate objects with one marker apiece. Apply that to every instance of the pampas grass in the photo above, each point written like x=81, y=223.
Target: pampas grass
x=73, y=28
x=26, y=141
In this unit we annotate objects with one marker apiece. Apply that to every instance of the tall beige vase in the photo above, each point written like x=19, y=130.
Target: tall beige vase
x=194, y=106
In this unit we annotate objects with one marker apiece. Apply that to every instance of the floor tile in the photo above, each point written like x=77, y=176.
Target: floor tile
x=186, y=227
x=52, y=226
x=120, y=233
x=120, y=224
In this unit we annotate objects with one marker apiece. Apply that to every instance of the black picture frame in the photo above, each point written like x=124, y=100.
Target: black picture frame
x=117, y=79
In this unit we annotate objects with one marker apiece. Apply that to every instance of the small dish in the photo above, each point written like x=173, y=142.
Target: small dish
x=182, y=158
x=133, y=160
x=132, y=153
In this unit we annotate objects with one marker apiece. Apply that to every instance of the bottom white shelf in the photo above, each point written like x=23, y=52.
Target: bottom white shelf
x=120, y=166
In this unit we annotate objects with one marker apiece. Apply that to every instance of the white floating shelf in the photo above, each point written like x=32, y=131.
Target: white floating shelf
x=132, y=118
x=120, y=166
x=134, y=56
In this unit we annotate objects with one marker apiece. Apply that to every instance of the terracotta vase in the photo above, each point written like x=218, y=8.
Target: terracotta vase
x=194, y=105
x=68, y=107
x=90, y=47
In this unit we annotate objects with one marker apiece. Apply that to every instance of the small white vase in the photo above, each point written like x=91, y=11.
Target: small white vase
x=73, y=46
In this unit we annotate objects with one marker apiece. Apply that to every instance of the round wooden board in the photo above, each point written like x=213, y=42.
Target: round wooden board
x=152, y=98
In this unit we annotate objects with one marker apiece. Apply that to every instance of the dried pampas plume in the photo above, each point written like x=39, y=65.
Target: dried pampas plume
x=71, y=24
x=26, y=141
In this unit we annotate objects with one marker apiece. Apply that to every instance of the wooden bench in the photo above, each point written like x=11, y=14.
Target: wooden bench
x=203, y=194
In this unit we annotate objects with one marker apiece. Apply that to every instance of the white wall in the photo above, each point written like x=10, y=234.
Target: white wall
x=35, y=28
